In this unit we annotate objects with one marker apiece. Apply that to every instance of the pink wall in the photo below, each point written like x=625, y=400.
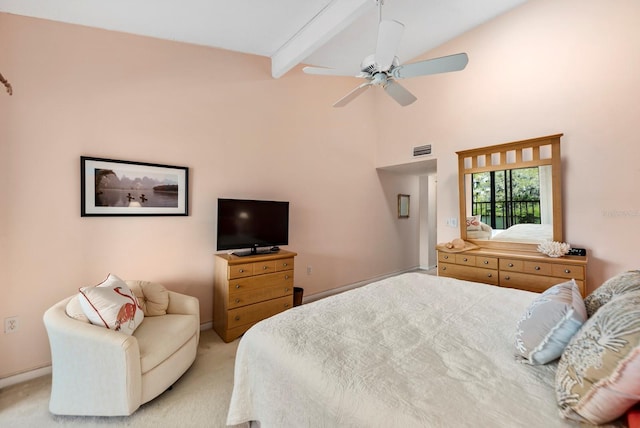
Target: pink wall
x=543, y=68
x=81, y=91
x=547, y=67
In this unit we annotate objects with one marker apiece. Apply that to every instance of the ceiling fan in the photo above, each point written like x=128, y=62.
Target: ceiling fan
x=384, y=69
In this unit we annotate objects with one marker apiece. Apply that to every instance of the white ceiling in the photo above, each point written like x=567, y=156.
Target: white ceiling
x=328, y=33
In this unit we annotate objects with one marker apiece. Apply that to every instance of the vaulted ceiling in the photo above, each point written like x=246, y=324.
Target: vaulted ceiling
x=326, y=33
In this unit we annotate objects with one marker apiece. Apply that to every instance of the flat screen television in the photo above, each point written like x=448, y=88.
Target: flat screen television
x=259, y=226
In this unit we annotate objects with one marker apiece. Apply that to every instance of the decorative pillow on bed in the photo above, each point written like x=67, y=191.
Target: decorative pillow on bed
x=618, y=285
x=473, y=223
x=548, y=324
x=598, y=376
x=111, y=304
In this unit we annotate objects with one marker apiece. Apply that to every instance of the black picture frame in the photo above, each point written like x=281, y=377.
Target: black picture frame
x=110, y=187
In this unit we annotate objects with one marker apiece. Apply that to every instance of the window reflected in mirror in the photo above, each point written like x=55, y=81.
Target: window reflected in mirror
x=510, y=205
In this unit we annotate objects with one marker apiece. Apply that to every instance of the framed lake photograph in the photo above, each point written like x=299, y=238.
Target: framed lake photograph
x=122, y=188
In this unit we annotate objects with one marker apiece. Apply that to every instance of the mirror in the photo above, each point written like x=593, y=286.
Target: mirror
x=510, y=194
x=510, y=205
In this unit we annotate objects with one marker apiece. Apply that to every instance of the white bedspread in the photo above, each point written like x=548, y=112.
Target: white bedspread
x=413, y=350
x=532, y=233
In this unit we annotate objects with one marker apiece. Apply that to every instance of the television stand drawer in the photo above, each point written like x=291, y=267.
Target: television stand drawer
x=258, y=311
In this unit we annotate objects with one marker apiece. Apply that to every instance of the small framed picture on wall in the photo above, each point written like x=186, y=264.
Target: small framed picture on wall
x=123, y=188
x=403, y=206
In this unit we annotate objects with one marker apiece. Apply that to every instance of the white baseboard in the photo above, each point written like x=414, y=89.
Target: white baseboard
x=23, y=377
x=428, y=267
x=206, y=326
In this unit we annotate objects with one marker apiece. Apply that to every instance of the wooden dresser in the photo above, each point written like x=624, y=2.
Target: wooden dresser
x=249, y=289
x=515, y=269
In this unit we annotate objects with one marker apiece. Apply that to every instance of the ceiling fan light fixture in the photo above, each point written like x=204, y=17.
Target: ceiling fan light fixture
x=383, y=68
x=380, y=79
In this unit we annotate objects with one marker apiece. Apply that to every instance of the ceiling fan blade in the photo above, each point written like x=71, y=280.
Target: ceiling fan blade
x=443, y=64
x=352, y=95
x=389, y=36
x=331, y=72
x=399, y=93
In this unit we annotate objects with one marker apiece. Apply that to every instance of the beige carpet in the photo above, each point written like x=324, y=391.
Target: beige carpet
x=200, y=398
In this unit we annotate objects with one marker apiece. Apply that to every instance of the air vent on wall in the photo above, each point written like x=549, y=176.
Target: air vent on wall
x=422, y=150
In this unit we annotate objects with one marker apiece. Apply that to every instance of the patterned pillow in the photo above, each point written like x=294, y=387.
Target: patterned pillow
x=111, y=304
x=619, y=284
x=598, y=376
x=549, y=323
x=473, y=223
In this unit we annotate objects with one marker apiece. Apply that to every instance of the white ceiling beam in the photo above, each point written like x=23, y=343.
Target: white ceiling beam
x=334, y=18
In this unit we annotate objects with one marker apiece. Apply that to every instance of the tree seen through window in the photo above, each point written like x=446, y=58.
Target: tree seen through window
x=505, y=198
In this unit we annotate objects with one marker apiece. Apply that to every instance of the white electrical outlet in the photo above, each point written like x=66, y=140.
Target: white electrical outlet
x=11, y=325
x=309, y=270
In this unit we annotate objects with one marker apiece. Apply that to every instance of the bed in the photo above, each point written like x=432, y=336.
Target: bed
x=412, y=350
x=532, y=233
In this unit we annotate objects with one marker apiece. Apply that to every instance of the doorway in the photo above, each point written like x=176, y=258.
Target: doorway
x=428, y=221
x=425, y=172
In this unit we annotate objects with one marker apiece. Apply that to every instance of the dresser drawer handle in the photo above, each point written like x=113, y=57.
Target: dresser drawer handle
x=286, y=290
x=241, y=270
x=286, y=305
x=286, y=277
x=489, y=276
x=567, y=271
x=507, y=277
x=237, y=318
x=264, y=268
x=237, y=286
x=237, y=300
x=445, y=257
x=537, y=268
x=444, y=268
x=284, y=265
x=486, y=262
x=510, y=265
x=465, y=259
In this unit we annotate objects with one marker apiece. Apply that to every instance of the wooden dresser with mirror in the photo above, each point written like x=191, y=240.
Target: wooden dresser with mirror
x=511, y=201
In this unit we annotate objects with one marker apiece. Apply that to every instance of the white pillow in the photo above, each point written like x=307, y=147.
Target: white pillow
x=153, y=298
x=111, y=304
x=549, y=323
x=74, y=309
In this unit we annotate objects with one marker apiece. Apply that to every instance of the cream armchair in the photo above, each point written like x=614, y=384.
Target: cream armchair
x=97, y=371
